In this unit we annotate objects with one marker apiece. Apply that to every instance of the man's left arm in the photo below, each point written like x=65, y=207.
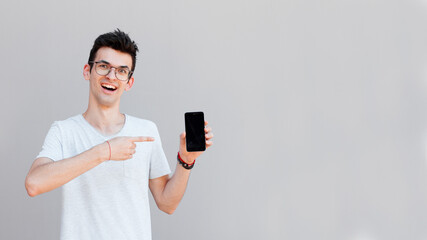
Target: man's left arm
x=168, y=191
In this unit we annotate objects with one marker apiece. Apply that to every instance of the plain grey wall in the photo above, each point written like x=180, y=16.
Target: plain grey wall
x=318, y=110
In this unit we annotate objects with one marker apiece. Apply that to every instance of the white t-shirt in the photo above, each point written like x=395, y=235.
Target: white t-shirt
x=110, y=201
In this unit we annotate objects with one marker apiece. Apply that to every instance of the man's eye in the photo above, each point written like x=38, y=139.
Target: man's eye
x=103, y=66
x=123, y=71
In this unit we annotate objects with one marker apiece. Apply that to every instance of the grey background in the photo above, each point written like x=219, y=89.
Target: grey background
x=318, y=110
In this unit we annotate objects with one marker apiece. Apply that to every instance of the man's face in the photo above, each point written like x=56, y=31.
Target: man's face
x=106, y=90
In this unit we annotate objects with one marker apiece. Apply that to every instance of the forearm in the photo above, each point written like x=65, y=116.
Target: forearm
x=52, y=175
x=174, y=189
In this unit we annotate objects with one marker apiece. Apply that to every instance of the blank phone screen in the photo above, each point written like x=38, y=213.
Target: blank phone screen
x=195, y=131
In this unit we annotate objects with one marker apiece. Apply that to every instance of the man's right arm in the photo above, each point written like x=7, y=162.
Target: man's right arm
x=46, y=174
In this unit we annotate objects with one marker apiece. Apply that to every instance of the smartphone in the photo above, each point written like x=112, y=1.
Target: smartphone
x=195, y=131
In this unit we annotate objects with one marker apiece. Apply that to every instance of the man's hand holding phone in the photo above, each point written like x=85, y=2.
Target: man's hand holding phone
x=188, y=155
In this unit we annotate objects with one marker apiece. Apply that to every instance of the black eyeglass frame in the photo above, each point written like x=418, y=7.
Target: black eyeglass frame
x=115, y=69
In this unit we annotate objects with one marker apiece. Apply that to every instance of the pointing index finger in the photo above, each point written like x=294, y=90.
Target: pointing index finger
x=142, y=139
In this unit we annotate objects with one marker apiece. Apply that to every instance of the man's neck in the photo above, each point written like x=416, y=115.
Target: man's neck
x=106, y=120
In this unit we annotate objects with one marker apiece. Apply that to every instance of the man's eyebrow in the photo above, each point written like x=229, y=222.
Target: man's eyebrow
x=123, y=66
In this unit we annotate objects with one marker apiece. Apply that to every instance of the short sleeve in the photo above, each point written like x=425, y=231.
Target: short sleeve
x=52, y=147
x=159, y=165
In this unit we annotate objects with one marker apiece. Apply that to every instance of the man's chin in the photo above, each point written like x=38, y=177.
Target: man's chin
x=107, y=101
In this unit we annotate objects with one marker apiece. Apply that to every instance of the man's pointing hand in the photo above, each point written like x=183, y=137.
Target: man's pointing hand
x=122, y=148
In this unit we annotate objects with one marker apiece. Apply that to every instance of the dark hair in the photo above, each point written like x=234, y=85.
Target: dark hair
x=116, y=40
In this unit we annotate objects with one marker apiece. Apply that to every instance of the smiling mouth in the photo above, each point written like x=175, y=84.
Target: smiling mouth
x=109, y=87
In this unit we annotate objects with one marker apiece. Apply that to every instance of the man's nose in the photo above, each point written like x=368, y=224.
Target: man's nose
x=112, y=74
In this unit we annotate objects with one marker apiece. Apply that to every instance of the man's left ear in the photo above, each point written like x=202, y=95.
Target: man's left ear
x=129, y=84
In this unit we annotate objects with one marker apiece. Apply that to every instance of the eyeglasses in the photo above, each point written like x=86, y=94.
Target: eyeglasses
x=103, y=68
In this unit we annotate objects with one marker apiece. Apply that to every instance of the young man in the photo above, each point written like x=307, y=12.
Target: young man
x=106, y=160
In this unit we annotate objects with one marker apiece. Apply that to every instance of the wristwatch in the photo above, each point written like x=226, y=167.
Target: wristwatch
x=184, y=164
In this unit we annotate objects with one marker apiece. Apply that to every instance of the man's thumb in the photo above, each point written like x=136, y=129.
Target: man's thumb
x=182, y=138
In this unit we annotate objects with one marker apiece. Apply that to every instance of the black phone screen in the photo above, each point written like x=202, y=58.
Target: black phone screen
x=195, y=131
